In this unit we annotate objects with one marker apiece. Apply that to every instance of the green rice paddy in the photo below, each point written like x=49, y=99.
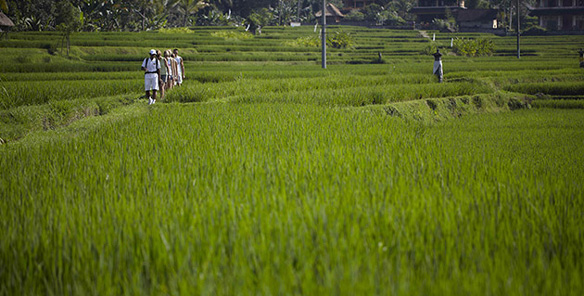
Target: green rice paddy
x=267, y=175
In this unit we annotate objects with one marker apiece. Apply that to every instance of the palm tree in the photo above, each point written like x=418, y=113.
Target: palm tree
x=190, y=7
x=4, y=5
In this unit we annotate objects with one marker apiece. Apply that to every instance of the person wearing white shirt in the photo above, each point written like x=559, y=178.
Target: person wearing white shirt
x=180, y=66
x=151, y=68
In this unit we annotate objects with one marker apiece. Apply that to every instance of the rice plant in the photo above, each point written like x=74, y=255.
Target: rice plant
x=282, y=198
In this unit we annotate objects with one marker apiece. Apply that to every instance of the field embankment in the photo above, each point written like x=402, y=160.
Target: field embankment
x=41, y=87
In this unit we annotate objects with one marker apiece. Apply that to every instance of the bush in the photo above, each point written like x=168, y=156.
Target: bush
x=388, y=17
x=340, y=39
x=473, y=47
x=372, y=11
x=355, y=16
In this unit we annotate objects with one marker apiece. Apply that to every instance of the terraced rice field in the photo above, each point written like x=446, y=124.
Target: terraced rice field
x=265, y=174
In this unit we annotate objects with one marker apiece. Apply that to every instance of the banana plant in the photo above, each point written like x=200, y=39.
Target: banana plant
x=187, y=8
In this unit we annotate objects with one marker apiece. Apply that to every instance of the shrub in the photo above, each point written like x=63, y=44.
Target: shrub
x=355, y=16
x=340, y=39
x=258, y=19
x=391, y=18
x=372, y=11
x=473, y=47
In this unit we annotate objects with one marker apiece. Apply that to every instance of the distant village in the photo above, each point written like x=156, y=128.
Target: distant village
x=494, y=16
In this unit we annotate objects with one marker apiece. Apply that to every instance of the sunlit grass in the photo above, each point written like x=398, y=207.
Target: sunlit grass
x=237, y=198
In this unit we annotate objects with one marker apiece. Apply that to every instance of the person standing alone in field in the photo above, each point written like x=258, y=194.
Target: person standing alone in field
x=180, y=66
x=151, y=68
x=438, y=65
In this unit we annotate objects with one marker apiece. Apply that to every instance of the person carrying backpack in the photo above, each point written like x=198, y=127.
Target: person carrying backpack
x=151, y=68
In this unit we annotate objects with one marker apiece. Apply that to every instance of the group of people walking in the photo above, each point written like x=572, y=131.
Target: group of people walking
x=162, y=72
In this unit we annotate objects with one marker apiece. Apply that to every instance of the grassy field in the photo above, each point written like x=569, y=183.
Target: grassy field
x=265, y=174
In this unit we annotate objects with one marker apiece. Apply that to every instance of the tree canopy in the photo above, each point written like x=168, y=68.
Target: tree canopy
x=68, y=19
x=137, y=15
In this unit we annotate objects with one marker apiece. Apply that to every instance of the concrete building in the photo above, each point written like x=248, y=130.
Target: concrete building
x=428, y=10
x=560, y=15
x=356, y=4
x=477, y=19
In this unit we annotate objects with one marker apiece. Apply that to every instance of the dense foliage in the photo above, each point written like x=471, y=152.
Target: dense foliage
x=473, y=47
x=140, y=15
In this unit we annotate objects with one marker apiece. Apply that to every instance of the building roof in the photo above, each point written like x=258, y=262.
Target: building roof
x=476, y=15
x=5, y=21
x=331, y=10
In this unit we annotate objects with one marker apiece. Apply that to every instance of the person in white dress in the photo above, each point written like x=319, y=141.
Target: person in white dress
x=180, y=66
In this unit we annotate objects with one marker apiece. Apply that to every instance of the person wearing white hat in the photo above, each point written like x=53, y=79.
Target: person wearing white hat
x=151, y=68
